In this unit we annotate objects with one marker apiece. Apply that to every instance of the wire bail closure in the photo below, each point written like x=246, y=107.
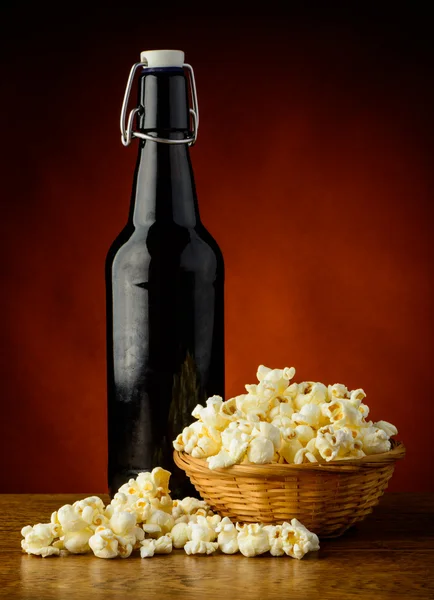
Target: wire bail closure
x=127, y=132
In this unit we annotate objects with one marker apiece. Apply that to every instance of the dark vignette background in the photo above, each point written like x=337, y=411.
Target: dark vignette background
x=314, y=172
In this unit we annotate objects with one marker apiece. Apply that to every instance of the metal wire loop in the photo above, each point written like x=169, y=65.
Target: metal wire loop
x=127, y=132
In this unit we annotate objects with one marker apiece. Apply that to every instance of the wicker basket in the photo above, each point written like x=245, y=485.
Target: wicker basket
x=327, y=498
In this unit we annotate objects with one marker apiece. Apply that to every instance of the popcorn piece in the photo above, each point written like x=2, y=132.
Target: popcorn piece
x=333, y=444
x=38, y=540
x=147, y=548
x=374, y=440
x=310, y=392
x=292, y=539
x=105, y=544
x=260, y=451
x=283, y=422
x=290, y=446
x=229, y=410
x=304, y=540
x=77, y=531
x=77, y=542
x=210, y=415
x=161, y=546
x=281, y=410
x=180, y=535
x=187, y=440
x=208, y=442
x=310, y=414
x=227, y=536
x=275, y=539
x=202, y=531
x=123, y=524
x=269, y=432
x=253, y=403
x=337, y=391
x=357, y=397
x=304, y=456
x=232, y=455
x=388, y=428
x=272, y=382
x=191, y=505
x=342, y=413
x=304, y=433
x=200, y=547
x=70, y=519
x=159, y=523
x=252, y=539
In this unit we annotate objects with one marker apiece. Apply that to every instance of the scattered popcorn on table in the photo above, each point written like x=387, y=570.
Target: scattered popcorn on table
x=122, y=527
x=279, y=421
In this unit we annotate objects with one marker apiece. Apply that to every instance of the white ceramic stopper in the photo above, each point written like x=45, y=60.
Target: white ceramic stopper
x=162, y=58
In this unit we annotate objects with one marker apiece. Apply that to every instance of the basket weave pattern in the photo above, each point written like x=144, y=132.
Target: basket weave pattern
x=327, y=498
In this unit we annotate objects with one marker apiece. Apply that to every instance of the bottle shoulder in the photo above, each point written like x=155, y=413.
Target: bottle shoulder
x=168, y=245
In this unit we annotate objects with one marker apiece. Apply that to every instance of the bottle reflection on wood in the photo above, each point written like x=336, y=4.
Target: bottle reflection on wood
x=164, y=282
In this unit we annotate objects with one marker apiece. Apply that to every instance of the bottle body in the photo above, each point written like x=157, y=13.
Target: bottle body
x=165, y=317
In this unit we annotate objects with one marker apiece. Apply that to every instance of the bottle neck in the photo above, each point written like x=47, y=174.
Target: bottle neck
x=164, y=188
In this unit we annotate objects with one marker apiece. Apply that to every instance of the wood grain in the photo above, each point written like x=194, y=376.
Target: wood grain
x=390, y=556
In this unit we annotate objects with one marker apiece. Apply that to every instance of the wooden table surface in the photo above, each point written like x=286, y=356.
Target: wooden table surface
x=390, y=555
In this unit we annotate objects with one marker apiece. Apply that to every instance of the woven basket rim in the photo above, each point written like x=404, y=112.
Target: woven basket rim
x=276, y=469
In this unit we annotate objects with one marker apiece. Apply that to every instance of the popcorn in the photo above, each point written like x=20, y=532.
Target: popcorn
x=253, y=403
x=211, y=415
x=260, y=451
x=374, y=440
x=232, y=454
x=304, y=540
x=252, y=539
x=200, y=547
x=304, y=456
x=147, y=548
x=343, y=413
x=292, y=539
x=337, y=391
x=190, y=506
x=202, y=530
x=290, y=446
x=161, y=546
x=208, y=443
x=269, y=432
x=112, y=532
x=227, y=536
x=105, y=544
x=304, y=433
x=38, y=540
x=180, y=534
x=310, y=392
x=70, y=520
x=388, y=428
x=356, y=397
x=310, y=414
x=340, y=443
x=281, y=411
x=76, y=530
x=159, y=523
x=229, y=410
x=289, y=415
x=124, y=525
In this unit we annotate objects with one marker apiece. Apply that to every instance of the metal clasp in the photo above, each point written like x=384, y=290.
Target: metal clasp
x=127, y=132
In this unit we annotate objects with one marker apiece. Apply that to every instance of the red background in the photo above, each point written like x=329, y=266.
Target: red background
x=313, y=168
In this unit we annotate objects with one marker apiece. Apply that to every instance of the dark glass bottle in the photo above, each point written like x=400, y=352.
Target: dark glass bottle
x=164, y=282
